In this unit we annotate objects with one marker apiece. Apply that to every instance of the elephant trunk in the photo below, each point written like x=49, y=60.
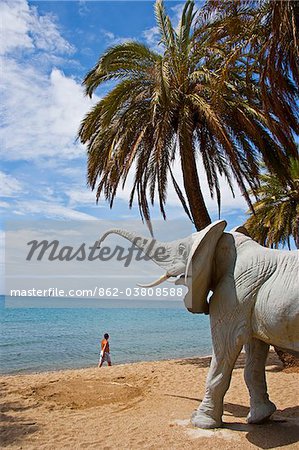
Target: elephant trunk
x=149, y=247
x=124, y=233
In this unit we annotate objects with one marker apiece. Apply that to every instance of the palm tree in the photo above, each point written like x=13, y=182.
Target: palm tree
x=166, y=106
x=279, y=59
x=276, y=216
x=263, y=38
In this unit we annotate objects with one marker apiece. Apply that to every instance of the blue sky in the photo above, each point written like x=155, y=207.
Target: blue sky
x=47, y=48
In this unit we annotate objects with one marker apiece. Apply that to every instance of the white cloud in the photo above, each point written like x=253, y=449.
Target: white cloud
x=83, y=8
x=42, y=110
x=69, y=171
x=81, y=197
x=152, y=38
x=9, y=186
x=51, y=210
x=14, y=26
x=23, y=28
x=113, y=39
x=42, y=113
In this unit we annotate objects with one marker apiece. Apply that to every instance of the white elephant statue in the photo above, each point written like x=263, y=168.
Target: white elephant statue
x=254, y=303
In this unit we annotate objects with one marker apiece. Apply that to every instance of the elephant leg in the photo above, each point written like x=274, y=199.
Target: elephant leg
x=261, y=408
x=209, y=413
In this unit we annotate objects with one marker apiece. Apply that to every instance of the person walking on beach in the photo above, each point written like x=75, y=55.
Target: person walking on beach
x=105, y=351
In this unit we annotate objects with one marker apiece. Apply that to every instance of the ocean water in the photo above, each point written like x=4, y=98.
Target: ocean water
x=41, y=337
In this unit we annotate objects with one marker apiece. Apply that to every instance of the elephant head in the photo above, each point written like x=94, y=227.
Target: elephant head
x=188, y=260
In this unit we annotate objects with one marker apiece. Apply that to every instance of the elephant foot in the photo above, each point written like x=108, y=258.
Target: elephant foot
x=260, y=413
x=202, y=420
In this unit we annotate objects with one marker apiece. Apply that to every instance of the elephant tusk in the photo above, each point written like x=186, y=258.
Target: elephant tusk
x=155, y=283
x=177, y=280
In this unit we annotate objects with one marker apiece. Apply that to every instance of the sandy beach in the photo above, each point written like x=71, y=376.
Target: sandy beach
x=141, y=406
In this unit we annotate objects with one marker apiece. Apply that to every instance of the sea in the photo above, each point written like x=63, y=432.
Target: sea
x=53, y=334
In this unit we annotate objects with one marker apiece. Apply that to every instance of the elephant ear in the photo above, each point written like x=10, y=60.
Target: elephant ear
x=199, y=267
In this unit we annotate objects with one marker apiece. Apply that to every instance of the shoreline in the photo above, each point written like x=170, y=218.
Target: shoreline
x=140, y=405
x=203, y=361
x=68, y=369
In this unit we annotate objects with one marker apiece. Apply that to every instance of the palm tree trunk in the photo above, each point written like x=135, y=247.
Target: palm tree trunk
x=194, y=195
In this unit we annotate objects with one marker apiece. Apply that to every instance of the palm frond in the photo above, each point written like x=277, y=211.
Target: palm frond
x=168, y=34
x=211, y=98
